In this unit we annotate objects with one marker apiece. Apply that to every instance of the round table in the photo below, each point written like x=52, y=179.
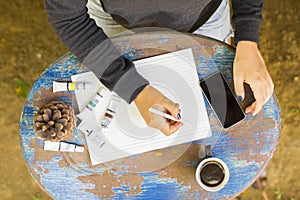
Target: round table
x=246, y=148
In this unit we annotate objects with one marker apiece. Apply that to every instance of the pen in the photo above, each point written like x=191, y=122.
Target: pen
x=163, y=114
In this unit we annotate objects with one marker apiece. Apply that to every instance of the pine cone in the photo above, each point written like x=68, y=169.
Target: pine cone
x=54, y=121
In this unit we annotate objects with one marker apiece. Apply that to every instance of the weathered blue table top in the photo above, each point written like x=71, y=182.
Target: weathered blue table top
x=246, y=148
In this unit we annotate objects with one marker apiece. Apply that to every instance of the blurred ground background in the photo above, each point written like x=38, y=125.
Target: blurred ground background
x=28, y=45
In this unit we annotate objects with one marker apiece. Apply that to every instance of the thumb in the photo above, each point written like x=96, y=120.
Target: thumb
x=172, y=108
x=239, y=88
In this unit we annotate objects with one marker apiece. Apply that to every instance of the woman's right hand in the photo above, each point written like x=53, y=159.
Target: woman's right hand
x=148, y=98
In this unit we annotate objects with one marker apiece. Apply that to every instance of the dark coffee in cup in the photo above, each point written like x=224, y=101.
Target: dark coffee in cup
x=212, y=174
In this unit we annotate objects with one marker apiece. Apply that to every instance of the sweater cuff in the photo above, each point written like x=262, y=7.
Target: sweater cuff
x=130, y=85
x=115, y=72
x=247, y=30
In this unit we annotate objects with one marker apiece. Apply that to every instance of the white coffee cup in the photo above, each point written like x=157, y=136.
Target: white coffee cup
x=219, y=168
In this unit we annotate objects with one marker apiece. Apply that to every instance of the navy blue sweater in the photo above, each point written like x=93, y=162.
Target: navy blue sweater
x=94, y=49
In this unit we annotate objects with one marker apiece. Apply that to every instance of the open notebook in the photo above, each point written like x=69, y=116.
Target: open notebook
x=174, y=74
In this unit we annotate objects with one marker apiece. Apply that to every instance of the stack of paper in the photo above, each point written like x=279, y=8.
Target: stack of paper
x=175, y=75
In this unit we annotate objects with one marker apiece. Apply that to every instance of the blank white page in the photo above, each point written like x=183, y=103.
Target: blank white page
x=175, y=75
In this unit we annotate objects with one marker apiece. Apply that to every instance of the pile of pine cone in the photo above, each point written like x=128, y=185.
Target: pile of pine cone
x=54, y=121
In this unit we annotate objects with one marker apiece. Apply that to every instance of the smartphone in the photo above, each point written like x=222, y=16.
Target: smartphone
x=222, y=99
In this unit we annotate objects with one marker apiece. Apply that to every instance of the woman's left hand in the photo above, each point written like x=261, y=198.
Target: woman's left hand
x=250, y=67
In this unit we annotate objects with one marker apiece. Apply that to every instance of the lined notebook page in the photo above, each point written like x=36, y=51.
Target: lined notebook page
x=174, y=74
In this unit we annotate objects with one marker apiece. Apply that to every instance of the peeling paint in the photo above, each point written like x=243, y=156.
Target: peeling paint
x=246, y=147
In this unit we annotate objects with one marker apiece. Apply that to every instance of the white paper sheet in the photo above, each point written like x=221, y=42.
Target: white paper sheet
x=175, y=75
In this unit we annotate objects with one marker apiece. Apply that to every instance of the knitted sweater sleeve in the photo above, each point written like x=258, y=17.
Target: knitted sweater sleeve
x=93, y=48
x=246, y=19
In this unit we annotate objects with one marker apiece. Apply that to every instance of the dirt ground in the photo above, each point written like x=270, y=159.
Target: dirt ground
x=28, y=45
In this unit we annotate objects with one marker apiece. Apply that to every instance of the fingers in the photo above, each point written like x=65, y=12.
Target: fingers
x=254, y=108
x=250, y=108
x=239, y=87
x=169, y=128
x=172, y=108
x=166, y=126
x=262, y=92
x=152, y=98
x=258, y=106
